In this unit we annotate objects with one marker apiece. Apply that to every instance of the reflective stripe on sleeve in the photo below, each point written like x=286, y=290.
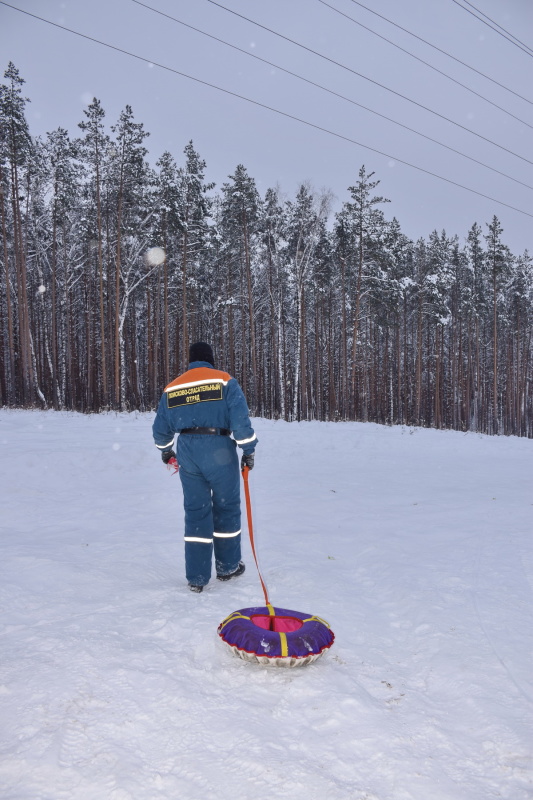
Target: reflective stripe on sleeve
x=246, y=441
x=227, y=535
x=197, y=539
x=164, y=446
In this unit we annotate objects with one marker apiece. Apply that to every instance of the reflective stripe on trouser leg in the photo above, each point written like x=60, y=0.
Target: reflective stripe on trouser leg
x=227, y=552
x=198, y=527
x=227, y=518
x=198, y=558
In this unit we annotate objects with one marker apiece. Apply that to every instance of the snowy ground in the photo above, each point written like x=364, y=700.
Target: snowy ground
x=414, y=544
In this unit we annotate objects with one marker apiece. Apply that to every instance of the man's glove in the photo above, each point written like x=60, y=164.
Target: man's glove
x=247, y=461
x=166, y=455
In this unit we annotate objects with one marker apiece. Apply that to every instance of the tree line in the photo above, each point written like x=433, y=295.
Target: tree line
x=320, y=316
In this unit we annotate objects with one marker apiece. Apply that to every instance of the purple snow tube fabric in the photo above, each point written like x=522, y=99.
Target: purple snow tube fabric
x=276, y=633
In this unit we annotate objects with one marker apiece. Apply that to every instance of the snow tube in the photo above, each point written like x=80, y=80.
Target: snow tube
x=276, y=636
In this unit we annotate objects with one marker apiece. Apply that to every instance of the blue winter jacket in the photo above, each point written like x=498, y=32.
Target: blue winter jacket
x=203, y=397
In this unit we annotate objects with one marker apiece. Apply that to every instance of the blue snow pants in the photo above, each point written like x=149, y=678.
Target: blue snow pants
x=210, y=477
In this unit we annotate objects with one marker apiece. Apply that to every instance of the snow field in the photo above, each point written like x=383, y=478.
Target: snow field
x=414, y=544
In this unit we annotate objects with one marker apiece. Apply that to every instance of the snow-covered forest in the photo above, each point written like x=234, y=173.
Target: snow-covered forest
x=320, y=315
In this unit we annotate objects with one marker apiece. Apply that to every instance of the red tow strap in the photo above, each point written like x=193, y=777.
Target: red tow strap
x=173, y=464
x=245, y=472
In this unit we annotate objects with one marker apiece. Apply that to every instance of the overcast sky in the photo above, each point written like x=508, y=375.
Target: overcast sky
x=63, y=72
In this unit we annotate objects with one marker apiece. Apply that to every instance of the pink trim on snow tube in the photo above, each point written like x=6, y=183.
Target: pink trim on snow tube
x=276, y=636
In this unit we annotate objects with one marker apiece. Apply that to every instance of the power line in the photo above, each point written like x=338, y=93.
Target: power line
x=268, y=108
x=427, y=64
x=440, y=50
x=500, y=32
x=329, y=91
x=498, y=25
x=371, y=80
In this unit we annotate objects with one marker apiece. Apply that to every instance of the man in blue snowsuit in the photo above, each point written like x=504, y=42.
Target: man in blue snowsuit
x=205, y=405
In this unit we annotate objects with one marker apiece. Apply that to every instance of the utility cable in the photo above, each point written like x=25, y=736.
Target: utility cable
x=263, y=105
x=330, y=91
x=371, y=80
x=503, y=35
x=498, y=25
x=444, y=52
x=427, y=64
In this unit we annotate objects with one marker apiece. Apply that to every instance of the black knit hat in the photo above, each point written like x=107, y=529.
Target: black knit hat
x=200, y=351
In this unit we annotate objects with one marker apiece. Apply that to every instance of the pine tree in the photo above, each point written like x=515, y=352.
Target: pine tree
x=498, y=261
x=393, y=292
x=129, y=176
x=167, y=231
x=272, y=230
x=93, y=150
x=475, y=303
x=195, y=207
x=16, y=149
x=62, y=175
x=344, y=248
x=304, y=228
x=519, y=295
x=322, y=293
x=368, y=222
x=438, y=282
x=240, y=212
